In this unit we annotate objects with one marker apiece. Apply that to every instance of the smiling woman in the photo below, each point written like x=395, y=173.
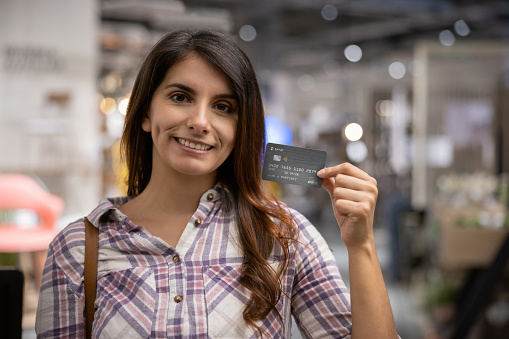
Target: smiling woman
x=193, y=118
x=198, y=249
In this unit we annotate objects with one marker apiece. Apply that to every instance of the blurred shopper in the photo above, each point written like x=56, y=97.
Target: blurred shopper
x=197, y=249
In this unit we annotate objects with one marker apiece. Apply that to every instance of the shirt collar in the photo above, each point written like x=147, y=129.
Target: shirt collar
x=108, y=208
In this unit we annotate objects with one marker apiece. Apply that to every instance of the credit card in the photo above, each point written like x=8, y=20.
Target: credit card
x=293, y=165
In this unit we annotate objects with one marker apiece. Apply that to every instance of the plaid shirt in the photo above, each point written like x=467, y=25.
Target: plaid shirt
x=147, y=289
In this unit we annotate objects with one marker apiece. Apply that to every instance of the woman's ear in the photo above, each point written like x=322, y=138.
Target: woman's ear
x=145, y=125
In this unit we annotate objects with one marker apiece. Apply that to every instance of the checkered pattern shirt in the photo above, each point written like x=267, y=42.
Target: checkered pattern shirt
x=147, y=289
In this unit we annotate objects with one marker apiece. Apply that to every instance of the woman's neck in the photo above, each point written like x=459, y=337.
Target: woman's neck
x=172, y=193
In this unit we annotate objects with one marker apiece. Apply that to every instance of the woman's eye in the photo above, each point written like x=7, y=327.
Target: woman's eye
x=178, y=97
x=224, y=108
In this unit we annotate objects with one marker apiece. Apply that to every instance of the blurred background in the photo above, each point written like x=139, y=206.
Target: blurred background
x=416, y=93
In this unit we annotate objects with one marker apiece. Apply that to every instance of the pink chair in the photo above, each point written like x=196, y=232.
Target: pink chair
x=18, y=191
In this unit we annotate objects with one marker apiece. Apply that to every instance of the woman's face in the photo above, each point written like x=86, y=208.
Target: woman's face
x=192, y=118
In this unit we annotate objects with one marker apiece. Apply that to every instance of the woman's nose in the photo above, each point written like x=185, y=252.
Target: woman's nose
x=198, y=119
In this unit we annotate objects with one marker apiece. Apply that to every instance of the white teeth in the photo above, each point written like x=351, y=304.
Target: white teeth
x=193, y=145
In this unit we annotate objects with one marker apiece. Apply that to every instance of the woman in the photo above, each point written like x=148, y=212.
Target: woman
x=198, y=249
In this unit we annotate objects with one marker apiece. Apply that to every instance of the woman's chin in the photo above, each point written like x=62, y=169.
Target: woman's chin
x=195, y=171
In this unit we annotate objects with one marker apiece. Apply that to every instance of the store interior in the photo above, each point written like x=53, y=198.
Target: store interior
x=415, y=93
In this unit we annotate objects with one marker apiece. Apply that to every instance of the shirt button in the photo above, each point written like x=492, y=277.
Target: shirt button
x=210, y=196
x=176, y=258
x=178, y=298
x=197, y=222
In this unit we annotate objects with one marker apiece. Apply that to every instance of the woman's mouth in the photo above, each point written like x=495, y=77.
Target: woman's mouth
x=201, y=147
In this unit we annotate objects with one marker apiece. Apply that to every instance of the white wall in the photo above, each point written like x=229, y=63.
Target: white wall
x=50, y=47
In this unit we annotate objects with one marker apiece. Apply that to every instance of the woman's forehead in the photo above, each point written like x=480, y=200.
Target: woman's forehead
x=194, y=69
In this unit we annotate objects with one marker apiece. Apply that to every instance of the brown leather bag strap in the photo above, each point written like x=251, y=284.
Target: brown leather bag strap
x=90, y=274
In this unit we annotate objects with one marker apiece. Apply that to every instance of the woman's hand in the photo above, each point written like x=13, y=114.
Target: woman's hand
x=353, y=193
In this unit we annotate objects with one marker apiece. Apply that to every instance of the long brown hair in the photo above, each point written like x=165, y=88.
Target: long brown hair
x=240, y=174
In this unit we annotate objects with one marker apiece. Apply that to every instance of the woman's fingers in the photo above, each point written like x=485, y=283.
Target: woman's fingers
x=354, y=183
x=339, y=180
x=346, y=169
x=352, y=195
x=346, y=207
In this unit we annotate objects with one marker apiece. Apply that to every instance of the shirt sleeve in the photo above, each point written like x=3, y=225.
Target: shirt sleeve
x=320, y=299
x=60, y=311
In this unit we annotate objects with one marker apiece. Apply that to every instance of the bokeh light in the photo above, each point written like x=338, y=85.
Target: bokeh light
x=353, y=53
x=353, y=131
x=329, y=12
x=122, y=105
x=247, y=33
x=384, y=107
x=111, y=82
x=446, y=38
x=397, y=70
x=461, y=28
x=108, y=105
x=357, y=151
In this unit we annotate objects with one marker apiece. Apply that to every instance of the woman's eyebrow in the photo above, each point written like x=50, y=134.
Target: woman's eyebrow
x=225, y=96
x=182, y=87
x=192, y=91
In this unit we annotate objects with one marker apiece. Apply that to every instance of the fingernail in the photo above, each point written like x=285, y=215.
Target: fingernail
x=321, y=172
